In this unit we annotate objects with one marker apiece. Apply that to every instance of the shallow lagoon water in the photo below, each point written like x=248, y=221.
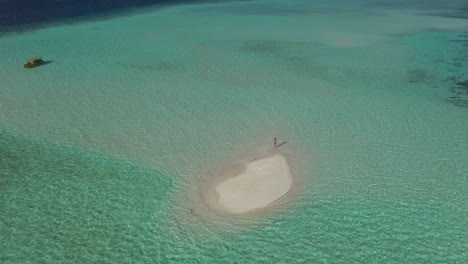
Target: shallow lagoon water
x=102, y=146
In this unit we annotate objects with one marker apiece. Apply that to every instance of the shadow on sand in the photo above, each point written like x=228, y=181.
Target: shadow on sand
x=282, y=143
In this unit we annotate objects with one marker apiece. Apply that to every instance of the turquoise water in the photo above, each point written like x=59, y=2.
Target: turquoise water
x=102, y=148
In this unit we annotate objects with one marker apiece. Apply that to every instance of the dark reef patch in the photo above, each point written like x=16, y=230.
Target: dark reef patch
x=292, y=55
x=459, y=40
x=460, y=91
x=458, y=84
x=457, y=101
x=418, y=76
x=463, y=85
x=448, y=66
x=460, y=12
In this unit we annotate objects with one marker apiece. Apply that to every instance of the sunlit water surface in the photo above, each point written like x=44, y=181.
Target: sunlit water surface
x=103, y=147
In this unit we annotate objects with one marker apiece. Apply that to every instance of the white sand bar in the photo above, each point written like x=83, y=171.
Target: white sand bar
x=263, y=182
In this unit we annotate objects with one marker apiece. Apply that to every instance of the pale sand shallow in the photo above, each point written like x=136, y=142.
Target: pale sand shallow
x=263, y=182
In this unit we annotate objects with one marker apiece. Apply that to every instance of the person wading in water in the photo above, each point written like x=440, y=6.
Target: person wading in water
x=274, y=142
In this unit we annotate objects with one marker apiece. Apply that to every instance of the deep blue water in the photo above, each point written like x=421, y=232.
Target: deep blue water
x=19, y=15
x=17, y=12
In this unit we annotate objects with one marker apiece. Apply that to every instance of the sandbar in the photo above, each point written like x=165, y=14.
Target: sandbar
x=263, y=182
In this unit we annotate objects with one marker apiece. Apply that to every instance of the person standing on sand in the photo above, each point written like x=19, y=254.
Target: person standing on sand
x=274, y=142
